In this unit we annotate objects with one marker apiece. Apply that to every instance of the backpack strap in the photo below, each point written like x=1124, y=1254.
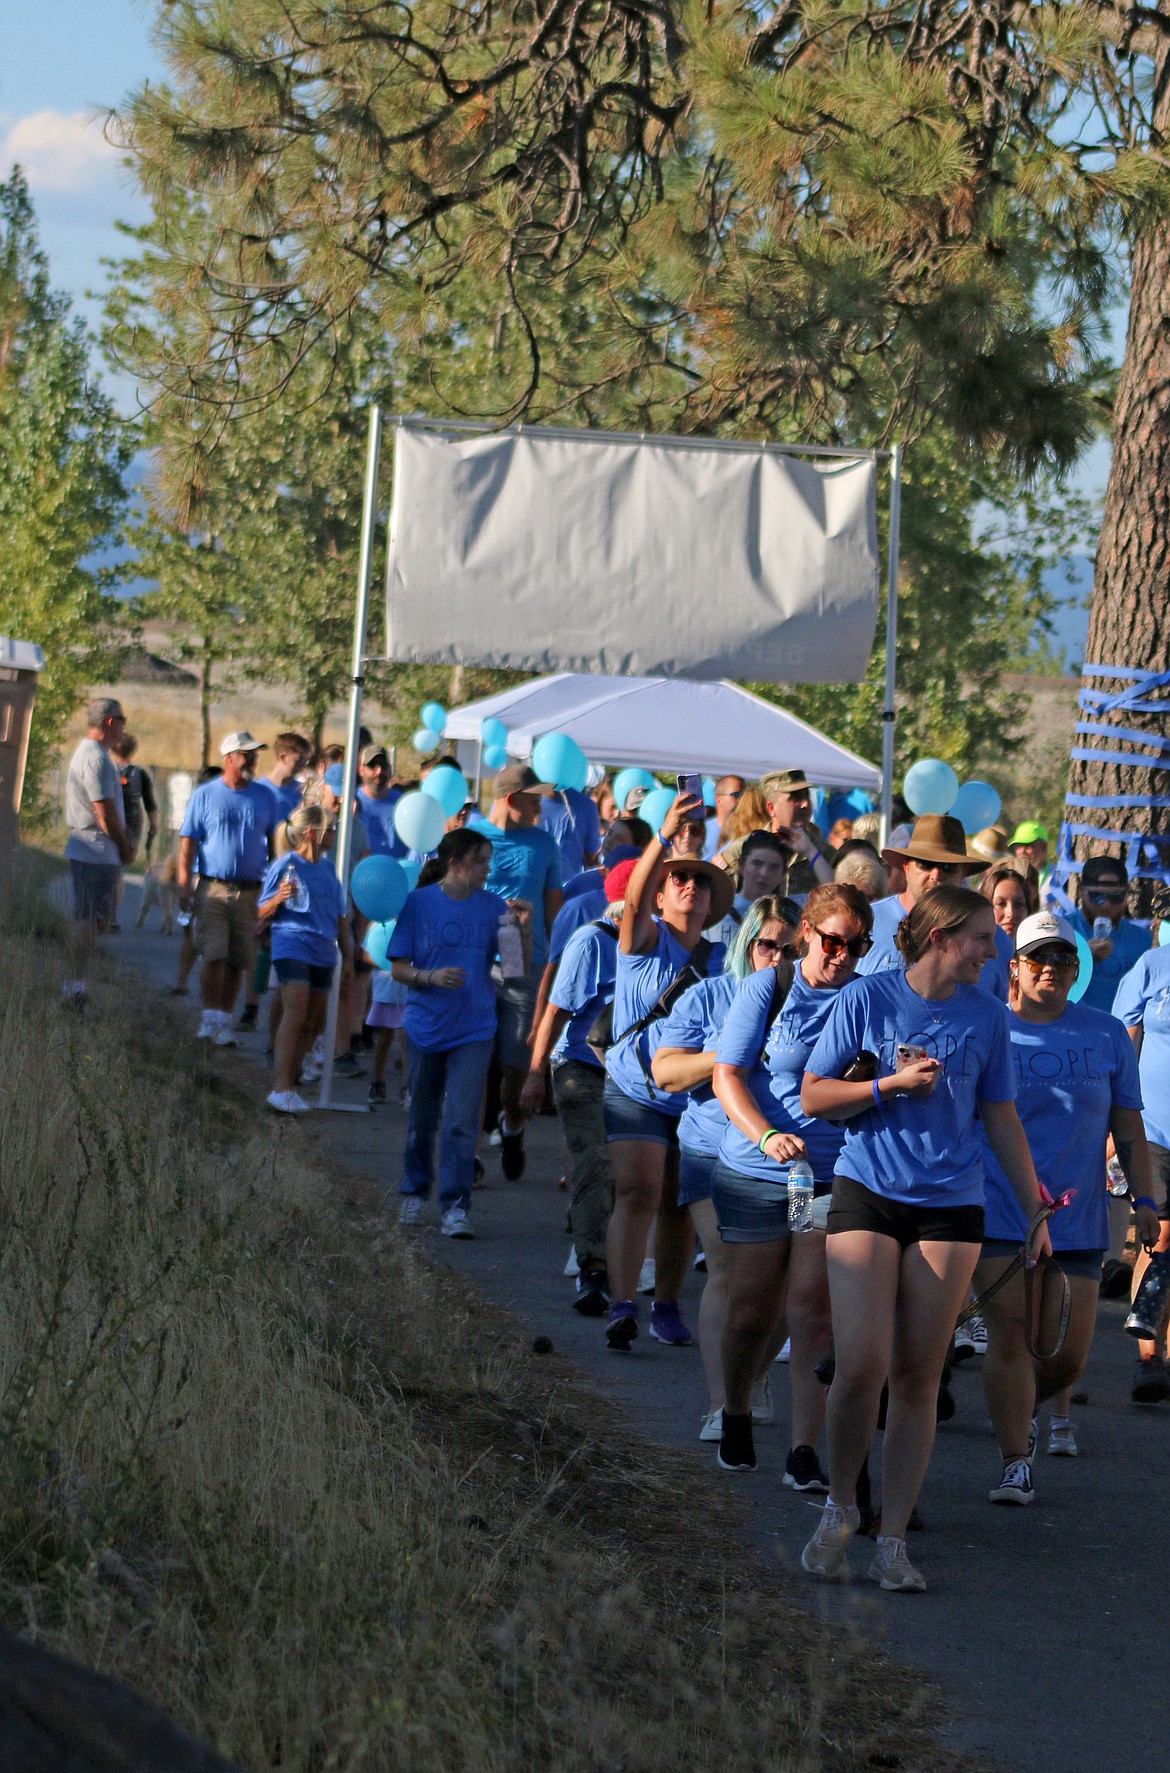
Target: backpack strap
x=603, y=923
x=693, y=969
x=778, y=999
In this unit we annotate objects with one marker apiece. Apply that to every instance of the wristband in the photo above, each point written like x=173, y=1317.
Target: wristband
x=760, y=1143
x=1142, y=1200
x=877, y=1095
x=665, y=841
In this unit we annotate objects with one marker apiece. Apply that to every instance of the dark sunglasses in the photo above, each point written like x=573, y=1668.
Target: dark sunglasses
x=768, y=945
x=1107, y=895
x=680, y=876
x=942, y=868
x=835, y=945
x=1057, y=960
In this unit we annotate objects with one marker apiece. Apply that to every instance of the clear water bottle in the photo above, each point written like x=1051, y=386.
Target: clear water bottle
x=1102, y=929
x=1115, y=1177
x=800, y=1196
x=299, y=899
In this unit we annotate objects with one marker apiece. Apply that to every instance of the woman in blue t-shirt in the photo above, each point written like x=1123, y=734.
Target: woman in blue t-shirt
x=670, y=901
x=758, y=1074
x=301, y=897
x=763, y=942
x=906, y=1220
x=1076, y=1083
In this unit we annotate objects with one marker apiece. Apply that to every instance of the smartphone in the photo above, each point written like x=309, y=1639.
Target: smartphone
x=910, y=1055
x=692, y=785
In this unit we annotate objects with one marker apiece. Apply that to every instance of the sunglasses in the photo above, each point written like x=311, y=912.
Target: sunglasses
x=835, y=945
x=1055, y=960
x=1106, y=896
x=767, y=945
x=941, y=868
x=681, y=876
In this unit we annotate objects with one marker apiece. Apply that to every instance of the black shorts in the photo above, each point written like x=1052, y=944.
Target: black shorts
x=1160, y=1166
x=857, y=1208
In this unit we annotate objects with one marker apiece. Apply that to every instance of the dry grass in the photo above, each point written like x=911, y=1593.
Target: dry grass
x=259, y=1460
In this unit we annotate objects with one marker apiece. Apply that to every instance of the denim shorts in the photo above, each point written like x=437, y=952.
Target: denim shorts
x=302, y=972
x=515, y=1004
x=1077, y=1264
x=695, y=1170
x=627, y=1119
x=748, y=1210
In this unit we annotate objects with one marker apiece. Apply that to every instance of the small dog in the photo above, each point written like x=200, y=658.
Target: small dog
x=159, y=888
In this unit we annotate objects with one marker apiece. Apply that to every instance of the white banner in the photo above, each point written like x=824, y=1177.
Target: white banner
x=546, y=551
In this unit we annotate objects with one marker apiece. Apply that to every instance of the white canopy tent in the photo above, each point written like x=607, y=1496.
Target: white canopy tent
x=663, y=723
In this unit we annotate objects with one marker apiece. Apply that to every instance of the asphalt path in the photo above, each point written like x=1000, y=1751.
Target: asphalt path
x=1044, y=1627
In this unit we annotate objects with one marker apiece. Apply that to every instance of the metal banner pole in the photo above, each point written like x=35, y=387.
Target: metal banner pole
x=345, y=828
x=888, y=711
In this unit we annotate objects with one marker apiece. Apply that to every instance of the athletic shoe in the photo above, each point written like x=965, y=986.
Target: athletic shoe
x=456, y=1223
x=208, y=1025
x=892, y=1569
x=310, y=1072
x=803, y=1471
x=377, y=1093
x=225, y=1034
x=287, y=1102
x=347, y=1066
x=247, y=1022
x=646, y=1278
x=963, y=1344
x=411, y=1210
x=737, y=1450
x=317, y=1051
x=712, y=1426
x=1015, y=1486
x=1062, y=1442
x=511, y=1152
x=977, y=1330
x=762, y=1410
x=825, y=1552
x=1150, y=1385
x=592, y=1293
x=666, y=1324
x=494, y=1137
x=622, y=1326
x=572, y=1267
x=785, y=1354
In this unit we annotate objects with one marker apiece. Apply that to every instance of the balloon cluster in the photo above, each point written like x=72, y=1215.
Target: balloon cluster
x=493, y=738
x=433, y=717
x=931, y=786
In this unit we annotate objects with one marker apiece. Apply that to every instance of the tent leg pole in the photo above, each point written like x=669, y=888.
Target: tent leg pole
x=345, y=827
x=888, y=709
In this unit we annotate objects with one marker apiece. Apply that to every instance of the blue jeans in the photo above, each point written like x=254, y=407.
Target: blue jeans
x=445, y=1086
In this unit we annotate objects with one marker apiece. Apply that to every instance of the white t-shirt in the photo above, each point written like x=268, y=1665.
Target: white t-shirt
x=91, y=777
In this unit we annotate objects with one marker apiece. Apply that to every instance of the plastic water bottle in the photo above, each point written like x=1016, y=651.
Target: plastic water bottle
x=299, y=899
x=800, y=1196
x=1102, y=929
x=1115, y=1177
x=511, y=948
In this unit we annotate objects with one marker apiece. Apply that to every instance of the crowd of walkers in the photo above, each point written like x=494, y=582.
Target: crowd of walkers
x=855, y=1077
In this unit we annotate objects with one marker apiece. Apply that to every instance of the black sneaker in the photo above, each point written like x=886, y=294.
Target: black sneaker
x=377, y=1092
x=347, y=1066
x=247, y=1021
x=511, y=1153
x=803, y=1471
x=737, y=1449
x=1150, y=1385
x=592, y=1293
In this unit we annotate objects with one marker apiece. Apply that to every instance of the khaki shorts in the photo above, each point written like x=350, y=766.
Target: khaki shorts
x=225, y=922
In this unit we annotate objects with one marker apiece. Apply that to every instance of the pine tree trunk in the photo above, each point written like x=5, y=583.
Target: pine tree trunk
x=1129, y=623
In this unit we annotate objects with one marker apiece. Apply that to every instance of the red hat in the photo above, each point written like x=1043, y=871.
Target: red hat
x=618, y=879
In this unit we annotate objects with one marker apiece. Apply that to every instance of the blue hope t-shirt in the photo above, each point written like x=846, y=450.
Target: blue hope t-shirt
x=1130, y=939
x=1143, y=1001
x=309, y=935
x=775, y=1077
x=571, y=819
x=1069, y=1076
x=924, y=1150
x=641, y=980
x=378, y=818
x=585, y=908
x=883, y=957
x=287, y=795
x=436, y=930
x=525, y=863
x=583, y=986
x=694, y=1023
x=232, y=827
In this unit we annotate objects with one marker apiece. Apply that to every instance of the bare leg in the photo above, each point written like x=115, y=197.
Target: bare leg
x=806, y=1308
x=383, y=1040
x=290, y=1043
x=231, y=980
x=674, y=1236
x=755, y=1296
x=637, y=1172
x=1009, y=1375
x=864, y=1270
x=1055, y=1378
x=713, y=1305
x=211, y=986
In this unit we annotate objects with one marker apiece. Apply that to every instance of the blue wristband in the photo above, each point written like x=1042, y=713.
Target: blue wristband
x=1143, y=1200
x=664, y=841
x=877, y=1095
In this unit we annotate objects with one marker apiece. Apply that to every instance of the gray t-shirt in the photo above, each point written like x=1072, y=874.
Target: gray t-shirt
x=91, y=777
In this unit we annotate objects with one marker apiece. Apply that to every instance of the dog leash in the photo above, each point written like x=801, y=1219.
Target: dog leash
x=1033, y=1312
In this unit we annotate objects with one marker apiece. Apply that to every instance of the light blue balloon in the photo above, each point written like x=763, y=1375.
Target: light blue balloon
x=493, y=733
x=379, y=888
x=560, y=760
x=709, y=791
x=448, y=786
x=419, y=821
x=495, y=757
x=630, y=778
x=1081, y=982
x=930, y=786
x=656, y=806
x=425, y=740
x=376, y=941
x=1163, y=932
x=433, y=715
x=976, y=806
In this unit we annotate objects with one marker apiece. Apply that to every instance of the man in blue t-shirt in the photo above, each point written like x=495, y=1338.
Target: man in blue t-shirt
x=570, y=817
x=377, y=800
x=526, y=864
x=1104, y=889
x=227, y=834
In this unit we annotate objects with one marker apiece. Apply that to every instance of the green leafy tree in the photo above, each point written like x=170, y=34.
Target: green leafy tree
x=63, y=456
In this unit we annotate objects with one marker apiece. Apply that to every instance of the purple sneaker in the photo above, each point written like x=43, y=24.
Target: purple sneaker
x=622, y=1325
x=666, y=1324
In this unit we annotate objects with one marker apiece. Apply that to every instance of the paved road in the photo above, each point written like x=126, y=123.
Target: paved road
x=1045, y=1627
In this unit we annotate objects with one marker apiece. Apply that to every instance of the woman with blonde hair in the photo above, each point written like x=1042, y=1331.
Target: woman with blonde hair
x=1013, y=896
x=750, y=813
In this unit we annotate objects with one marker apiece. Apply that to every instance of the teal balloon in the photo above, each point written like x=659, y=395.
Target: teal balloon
x=412, y=870
x=379, y=888
x=425, y=740
x=419, y=821
x=930, y=786
x=630, y=778
x=656, y=806
x=448, y=786
x=976, y=806
x=495, y=757
x=493, y=734
x=708, y=791
x=433, y=715
x=1085, y=973
x=376, y=942
x=1163, y=932
x=560, y=760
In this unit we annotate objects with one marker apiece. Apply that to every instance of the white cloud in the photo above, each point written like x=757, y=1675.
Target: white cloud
x=59, y=150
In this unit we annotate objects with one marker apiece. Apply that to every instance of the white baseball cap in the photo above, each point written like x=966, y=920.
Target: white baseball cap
x=241, y=741
x=1042, y=929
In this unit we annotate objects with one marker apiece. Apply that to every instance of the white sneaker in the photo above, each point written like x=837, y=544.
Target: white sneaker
x=310, y=1073
x=977, y=1330
x=572, y=1266
x=785, y=1352
x=892, y=1569
x=411, y=1210
x=1062, y=1441
x=207, y=1026
x=456, y=1223
x=712, y=1428
x=762, y=1410
x=317, y=1054
x=1015, y=1486
x=825, y=1552
x=495, y=1137
x=962, y=1343
x=225, y=1034
x=646, y=1278
x=288, y=1102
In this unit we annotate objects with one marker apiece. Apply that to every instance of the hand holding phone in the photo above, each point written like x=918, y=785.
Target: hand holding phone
x=692, y=786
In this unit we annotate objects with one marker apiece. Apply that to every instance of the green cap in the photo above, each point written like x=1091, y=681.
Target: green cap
x=1029, y=831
